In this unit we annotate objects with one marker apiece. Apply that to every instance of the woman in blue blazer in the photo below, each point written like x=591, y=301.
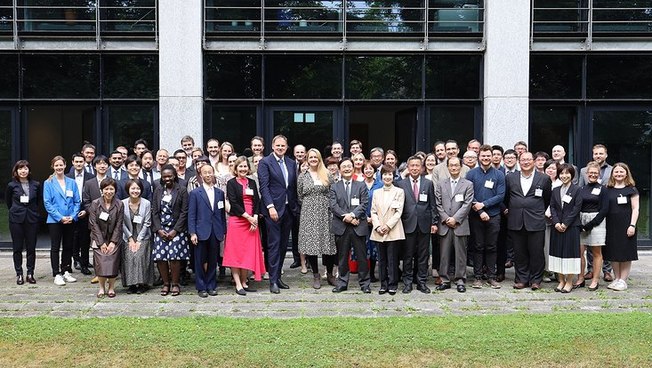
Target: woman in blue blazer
x=23, y=197
x=61, y=200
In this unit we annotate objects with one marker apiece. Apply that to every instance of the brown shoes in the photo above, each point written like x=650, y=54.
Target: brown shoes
x=535, y=286
x=519, y=286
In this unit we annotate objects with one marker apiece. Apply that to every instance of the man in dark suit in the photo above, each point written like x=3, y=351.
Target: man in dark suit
x=419, y=221
x=133, y=165
x=527, y=195
x=278, y=190
x=116, y=171
x=81, y=236
x=207, y=226
x=348, y=203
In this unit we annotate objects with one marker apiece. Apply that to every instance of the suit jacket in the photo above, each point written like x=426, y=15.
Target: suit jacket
x=340, y=205
x=388, y=213
x=236, y=201
x=569, y=215
x=143, y=230
x=90, y=192
x=57, y=202
x=203, y=219
x=146, y=192
x=447, y=206
x=179, y=204
x=87, y=177
x=23, y=212
x=527, y=210
x=272, y=186
x=441, y=172
x=584, y=179
x=415, y=211
x=121, y=175
x=104, y=232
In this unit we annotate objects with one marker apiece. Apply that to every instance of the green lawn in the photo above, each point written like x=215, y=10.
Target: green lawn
x=552, y=340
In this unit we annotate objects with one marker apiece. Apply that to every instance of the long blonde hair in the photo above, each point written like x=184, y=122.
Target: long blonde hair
x=322, y=171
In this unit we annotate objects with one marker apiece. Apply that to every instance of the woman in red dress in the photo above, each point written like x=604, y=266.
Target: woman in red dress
x=243, y=251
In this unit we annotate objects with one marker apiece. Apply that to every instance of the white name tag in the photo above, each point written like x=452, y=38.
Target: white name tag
x=395, y=204
x=220, y=205
x=69, y=193
x=24, y=199
x=566, y=198
x=249, y=191
x=167, y=198
x=355, y=201
x=538, y=192
x=622, y=200
x=489, y=184
x=104, y=216
x=423, y=197
x=316, y=182
x=595, y=191
x=459, y=198
x=138, y=219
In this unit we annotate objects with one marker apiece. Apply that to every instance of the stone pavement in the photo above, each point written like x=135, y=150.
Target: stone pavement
x=78, y=299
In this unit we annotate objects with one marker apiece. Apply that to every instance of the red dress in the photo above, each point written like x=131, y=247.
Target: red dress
x=242, y=248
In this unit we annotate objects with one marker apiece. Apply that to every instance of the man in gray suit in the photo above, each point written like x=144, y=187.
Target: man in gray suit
x=454, y=197
x=348, y=203
x=441, y=170
x=419, y=221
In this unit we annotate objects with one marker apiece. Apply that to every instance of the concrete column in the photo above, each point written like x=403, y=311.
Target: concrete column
x=181, y=104
x=506, y=72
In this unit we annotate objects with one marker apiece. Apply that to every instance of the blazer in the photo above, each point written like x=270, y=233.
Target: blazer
x=90, y=192
x=203, y=219
x=441, y=172
x=569, y=215
x=179, y=203
x=584, y=179
x=146, y=193
x=527, y=210
x=340, y=206
x=447, y=206
x=272, y=186
x=87, y=177
x=415, y=211
x=24, y=212
x=234, y=196
x=104, y=232
x=58, y=203
x=121, y=175
x=388, y=214
x=143, y=229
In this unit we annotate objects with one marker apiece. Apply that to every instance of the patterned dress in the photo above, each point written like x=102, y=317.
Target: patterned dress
x=315, y=237
x=177, y=248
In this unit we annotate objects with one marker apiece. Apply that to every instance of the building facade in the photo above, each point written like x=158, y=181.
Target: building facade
x=396, y=74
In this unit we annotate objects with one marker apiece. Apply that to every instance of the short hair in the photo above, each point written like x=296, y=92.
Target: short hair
x=414, y=157
x=140, y=141
x=179, y=151
x=257, y=137
x=391, y=152
x=108, y=181
x=355, y=142
x=567, y=167
x=330, y=160
x=599, y=145
x=187, y=138
x=19, y=165
x=344, y=159
x=146, y=152
x=133, y=158
x=169, y=167
x=434, y=146
x=470, y=154
x=497, y=148
x=136, y=181
x=88, y=145
x=195, y=149
x=280, y=136
x=548, y=163
x=509, y=151
x=486, y=147
x=520, y=143
x=75, y=155
x=473, y=141
x=100, y=158
x=452, y=141
x=335, y=142
x=454, y=158
x=115, y=152
x=377, y=149
x=592, y=164
x=542, y=154
x=386, y=169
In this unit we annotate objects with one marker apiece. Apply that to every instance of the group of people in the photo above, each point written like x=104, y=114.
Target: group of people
x=209, y=210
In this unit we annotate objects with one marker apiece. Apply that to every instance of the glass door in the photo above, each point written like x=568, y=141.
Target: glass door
x=6, y=165
x=313, y=127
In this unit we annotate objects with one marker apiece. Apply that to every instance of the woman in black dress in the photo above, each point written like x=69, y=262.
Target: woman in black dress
x=621, y=224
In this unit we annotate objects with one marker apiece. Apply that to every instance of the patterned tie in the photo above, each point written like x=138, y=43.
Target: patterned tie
x=347, y=187
x=415, y=189
x=284, y=171
x=115, y=175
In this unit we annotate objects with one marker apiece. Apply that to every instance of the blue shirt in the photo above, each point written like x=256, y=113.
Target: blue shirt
x=488, y=188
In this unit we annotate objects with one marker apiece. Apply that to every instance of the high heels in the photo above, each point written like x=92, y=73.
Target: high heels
x=580, y=285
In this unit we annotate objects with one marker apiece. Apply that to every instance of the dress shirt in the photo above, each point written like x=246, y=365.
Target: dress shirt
x=453, y=184
x=79, y=179
x=526, y=182
x=211, y=195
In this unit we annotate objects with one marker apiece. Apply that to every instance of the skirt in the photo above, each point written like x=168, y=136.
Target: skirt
x=107, y=265
x=595, y=237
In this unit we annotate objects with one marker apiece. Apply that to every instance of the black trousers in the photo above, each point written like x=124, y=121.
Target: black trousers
x=81, y=242
x=61, y=239
x=486, y=239
x=529, y=262
x=388, y=253
x=504, y=247
x=23, y=236
x=344, y=243
x=278, y=234
x=434, y=240
x=416, y=248
x=206, y=251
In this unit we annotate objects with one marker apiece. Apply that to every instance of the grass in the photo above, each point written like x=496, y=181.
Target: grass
x=552, y=340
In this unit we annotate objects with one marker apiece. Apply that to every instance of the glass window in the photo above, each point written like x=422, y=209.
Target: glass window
x=233, y=76
x=57, y=15
x=233, y=124
x=455, y=16
x=61, y=76
x=628, y=137
x=9, y=76
x=556, y=76
x=385, y=16
x=302, y=16
x=232, y=15
x=622, y=16
x=6, y=17
x=453, y=76
x=620, y=76
x=303, y=77
x=130, y=76
x=559, y=16
x=550, y=126
x=128, y=16
x=313, y=129
x=129, y=123
x=383, y=77
x=452, y=122
x=6, y=164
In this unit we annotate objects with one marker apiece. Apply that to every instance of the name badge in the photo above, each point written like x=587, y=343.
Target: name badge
x=566, y=199
x=355, y=201
x=316, y=182
x=68, y=193
x=459, y=198
x=595, y=191
x=622, y=200
x=249, y=191
x=395, y=204
x=489, y=184
x=24, y=199
x=538, y=192
x=138, y=219
x=104, y=216
x=167, y=198
x=220, y=205
x=423, y=197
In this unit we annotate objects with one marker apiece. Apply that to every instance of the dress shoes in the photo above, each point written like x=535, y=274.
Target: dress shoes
x=500, y=278
x=443, y=286
x=519, y=286
x=19, y=280
x=77, y=265
x=382, y=291
x=608, y=277
x=85, y=271
x=461, y=288
x=588, y=288
x=202, y=294
x=30, y=279
x=509, y=264
x=580, y=285
x=212, y=292
x=366, y=289
x=424, y=289
x=339, y=289
x=249, y=289
x=295, y=264
x=332, y=280
x=281, y=284
x=392, y=291
x=407, y=289
x=241, y=292
x=535, y=286
x=273, y=288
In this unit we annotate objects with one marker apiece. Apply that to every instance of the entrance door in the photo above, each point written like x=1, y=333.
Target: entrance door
x=553, y=125
x=311, y=127
x=6, y=165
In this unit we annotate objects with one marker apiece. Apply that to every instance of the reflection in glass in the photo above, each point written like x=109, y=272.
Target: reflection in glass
x=233, y=124
x=302, y=16
x=551, y=126
x=232, y=15
x=303, y=77
x=455, y=16
x=622, y=16
x=129, y=123
x=6, y=164
x=317, y=134
x=628, y=137
x=6, y=17
x=130, y=76
x=9, y=76
x=128, y=15
x=383, y=77
x=61, y=76
x=385, y=16
x=621, y=76
x=232, y=76
x=555, y=76
x=452, y=122
x=57, y=15
x=559, y=16
x=453, y=76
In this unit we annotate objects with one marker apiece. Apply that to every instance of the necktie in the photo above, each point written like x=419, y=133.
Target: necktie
x=347, y=187
x=147, y=177
x=284, y=171
x=415, y=189
x=453, y=184
x=115, y=175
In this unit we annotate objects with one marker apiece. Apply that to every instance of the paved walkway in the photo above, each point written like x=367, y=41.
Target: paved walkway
x=78, y=299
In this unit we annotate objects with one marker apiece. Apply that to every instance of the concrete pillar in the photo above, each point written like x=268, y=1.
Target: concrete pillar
x=181, y=104
x=506, y=72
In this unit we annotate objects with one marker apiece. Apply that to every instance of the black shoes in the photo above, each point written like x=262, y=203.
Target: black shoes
x=282, y=285
x=424, y=289
x=295, y=264
x=241, y=292
x=30, y=279
x=273, y=288
x=339, y=289
x=202, y=294
x=392, y=291
x=212, y=292
x=461, y=288
x=382, y=291
x=19, y=280
x=443, y=286
x=77, y=265
x=85, y=271
x=366, y=289
x=407, y=289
